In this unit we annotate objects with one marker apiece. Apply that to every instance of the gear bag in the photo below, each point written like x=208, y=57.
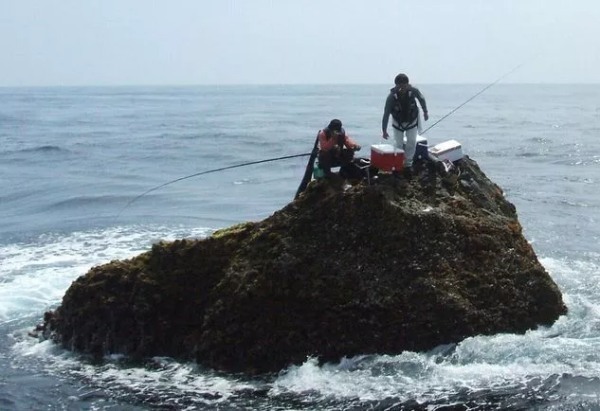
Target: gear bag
x=405, y=108
x=359, y=169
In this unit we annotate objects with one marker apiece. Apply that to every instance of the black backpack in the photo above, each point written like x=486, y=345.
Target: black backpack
x=405, y=108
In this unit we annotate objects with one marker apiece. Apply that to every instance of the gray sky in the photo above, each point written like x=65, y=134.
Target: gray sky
x=122, y=42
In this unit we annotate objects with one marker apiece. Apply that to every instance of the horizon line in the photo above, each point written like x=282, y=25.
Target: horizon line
x=119, y=85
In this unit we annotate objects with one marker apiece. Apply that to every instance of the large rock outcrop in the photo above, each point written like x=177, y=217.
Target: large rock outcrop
x=341, y=271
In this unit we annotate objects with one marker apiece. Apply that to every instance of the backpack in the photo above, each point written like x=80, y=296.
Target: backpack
x=405, y=108
x=359, y=169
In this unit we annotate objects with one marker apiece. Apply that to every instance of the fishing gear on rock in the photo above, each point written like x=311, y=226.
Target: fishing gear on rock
x=313, y=154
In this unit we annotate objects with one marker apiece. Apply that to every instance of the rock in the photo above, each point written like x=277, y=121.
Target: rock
x=341, y=271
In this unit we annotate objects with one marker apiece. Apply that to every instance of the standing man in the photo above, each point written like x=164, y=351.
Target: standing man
x=401, y=103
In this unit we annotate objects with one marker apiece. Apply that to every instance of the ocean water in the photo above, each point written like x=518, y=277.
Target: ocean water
x=73, y=159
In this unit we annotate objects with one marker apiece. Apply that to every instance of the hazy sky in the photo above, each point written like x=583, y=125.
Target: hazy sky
x=122, y=42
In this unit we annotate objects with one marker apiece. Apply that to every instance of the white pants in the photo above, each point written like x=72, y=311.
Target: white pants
x=410, y=146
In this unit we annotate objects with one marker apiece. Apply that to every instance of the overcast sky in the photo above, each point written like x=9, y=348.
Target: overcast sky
x=123, y=42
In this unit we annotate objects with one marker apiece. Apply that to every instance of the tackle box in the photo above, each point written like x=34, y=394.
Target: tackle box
x=450, y=150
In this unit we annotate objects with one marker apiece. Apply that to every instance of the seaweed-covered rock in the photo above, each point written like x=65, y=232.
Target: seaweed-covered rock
x=342, y=270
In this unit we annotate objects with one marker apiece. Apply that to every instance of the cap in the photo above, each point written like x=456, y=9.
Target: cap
x=335, y=125
x=401, y=79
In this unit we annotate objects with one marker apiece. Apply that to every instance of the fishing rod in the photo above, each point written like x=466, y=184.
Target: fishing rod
x=309, y=165
x=472, y=97
x=312, y=154
x=214, y=170
x=309, y=169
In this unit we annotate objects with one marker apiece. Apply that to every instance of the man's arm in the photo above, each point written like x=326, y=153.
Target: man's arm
x=422, y=102
x=350, y=143
x=389, y=103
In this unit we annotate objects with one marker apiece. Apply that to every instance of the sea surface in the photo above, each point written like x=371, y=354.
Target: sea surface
x=74, y=162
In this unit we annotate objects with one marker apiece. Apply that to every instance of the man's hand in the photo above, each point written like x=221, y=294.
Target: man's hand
x=385, y=135
x=425, y=115
x=357, y=147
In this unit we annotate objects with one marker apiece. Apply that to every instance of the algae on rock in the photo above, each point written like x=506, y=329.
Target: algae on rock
x=341, y=271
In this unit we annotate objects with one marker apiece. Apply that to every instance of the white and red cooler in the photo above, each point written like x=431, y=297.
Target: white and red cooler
x=386, y=157
x=450, y=150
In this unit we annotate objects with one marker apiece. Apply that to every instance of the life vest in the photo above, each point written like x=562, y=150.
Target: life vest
x=405, y=109
x=341, y=137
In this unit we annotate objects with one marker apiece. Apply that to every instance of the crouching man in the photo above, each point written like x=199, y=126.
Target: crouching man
x=336, y=148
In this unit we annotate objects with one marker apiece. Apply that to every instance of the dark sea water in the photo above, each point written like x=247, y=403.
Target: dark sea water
x=72, y=158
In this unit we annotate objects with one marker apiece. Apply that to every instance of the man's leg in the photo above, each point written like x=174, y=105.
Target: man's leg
x=410, y=147
x=346, y=166
x=325, y=160
x=346, y=156
x=398, y=143
x=399, y=138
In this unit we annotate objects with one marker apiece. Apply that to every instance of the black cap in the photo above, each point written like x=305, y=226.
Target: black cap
x=401, y=79
x=335, y=125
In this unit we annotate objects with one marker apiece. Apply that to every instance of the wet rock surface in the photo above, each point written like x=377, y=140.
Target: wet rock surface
x=346, y=269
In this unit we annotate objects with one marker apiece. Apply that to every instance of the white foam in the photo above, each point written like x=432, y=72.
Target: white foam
x=166, y=378
x=479, y=363
x=579, y=276
x=503, y=361
x=35, y=275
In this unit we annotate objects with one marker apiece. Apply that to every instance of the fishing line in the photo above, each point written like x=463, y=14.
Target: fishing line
x=208, y=172
x=304, y=154
x=472, y=97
